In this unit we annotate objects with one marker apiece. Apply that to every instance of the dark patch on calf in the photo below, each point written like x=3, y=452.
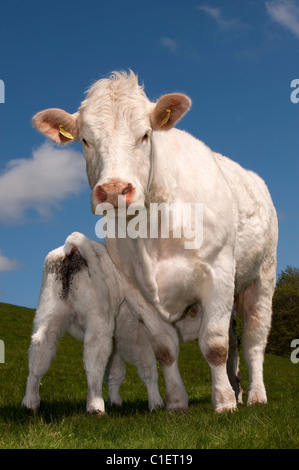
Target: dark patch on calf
x=65, y=269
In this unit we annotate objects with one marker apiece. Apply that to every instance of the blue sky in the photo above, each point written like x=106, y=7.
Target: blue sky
x=236, y=59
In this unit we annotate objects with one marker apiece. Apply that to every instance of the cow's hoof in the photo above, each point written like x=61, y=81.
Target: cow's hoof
x=96, y=412
x=257, y=394
x=226, y=407
x=96, y=407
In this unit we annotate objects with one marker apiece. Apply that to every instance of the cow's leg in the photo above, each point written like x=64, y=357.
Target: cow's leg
x=115, y=374
x=165, y=343
x=97, y=349
x=41, y=352
x=213, y=342
x=217, y=304
x=256, y=315
x=176, y=397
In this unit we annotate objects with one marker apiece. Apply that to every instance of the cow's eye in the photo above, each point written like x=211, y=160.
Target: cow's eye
x=85, y=142
x=145, y=137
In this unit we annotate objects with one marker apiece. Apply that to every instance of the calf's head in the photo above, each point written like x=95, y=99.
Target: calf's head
x=115, y=124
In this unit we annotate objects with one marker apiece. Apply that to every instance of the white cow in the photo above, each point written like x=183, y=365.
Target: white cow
x=134, y=155
x=82, y=293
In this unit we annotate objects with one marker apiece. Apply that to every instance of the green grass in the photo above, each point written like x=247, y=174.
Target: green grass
x=62, y=421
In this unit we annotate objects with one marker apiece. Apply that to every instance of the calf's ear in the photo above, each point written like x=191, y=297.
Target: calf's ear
x=168, y=110
x=57, y=124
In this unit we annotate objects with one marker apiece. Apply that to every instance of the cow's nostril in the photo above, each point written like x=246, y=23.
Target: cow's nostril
x=101, y=194
x=128, y=189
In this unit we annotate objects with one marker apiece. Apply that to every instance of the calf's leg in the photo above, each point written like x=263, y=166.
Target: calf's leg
x=41, y=352
x=115, y=375
x=97, y=349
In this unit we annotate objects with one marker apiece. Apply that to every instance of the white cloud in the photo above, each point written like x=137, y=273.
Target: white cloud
x=221, y=20
x=170, y=44
x=286, y=13
x=40, y=182
x=7, y=264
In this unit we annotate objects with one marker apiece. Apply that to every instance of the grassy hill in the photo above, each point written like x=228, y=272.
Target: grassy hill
x=63, y=423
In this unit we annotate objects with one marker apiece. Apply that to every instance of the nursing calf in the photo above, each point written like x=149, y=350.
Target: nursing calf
x=82, y=293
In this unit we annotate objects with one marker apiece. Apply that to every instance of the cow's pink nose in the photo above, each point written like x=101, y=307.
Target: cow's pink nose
x=109, y=192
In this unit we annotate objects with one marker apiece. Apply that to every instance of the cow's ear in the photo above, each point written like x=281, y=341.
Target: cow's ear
x=168, y=110
x=57, y=124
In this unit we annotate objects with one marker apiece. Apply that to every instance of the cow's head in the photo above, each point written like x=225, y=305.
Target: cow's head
x=115, y=123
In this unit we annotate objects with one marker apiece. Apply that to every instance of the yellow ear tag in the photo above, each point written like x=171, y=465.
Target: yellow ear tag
x=65, y=133
x=167, y=117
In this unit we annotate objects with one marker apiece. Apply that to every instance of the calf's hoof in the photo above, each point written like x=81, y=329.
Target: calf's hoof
x=30, y=404
x=156, y=406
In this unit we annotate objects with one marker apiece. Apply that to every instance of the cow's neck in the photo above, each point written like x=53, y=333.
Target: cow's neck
x=169, y=161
